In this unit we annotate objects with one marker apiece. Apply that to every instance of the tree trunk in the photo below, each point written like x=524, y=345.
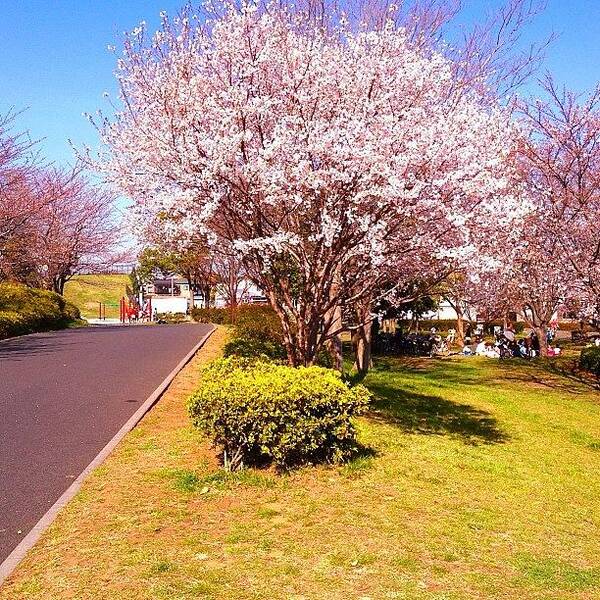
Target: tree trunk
x=539, y=324
x=460, y=329
x=460, y=319
x=58, y=284
x=540, y=331
x=363, y=339
x=206, y=289
x=363, y=361
x=190, y=292
x=335, y=343
x=290, y=340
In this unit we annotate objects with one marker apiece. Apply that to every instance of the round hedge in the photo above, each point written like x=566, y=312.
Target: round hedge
x=258, y=412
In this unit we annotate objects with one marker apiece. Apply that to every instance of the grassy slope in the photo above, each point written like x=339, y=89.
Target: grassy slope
x=86, y=291
x=484, y=484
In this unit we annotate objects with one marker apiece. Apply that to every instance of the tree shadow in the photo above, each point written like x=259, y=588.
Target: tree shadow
x=22, y=347
x=557, y=374
x=446, y=371
x=45, y=342
x=571, y=371
x=433, y=415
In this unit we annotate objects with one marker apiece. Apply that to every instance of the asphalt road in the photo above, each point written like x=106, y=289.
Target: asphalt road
x=63, y=396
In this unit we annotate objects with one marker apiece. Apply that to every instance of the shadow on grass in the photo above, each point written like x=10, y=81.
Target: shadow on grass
x=557, y=374
x=434, y=415
x=561, y=374
x=572, y=372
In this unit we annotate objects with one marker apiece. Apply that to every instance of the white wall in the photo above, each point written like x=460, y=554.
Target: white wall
x=172, y=304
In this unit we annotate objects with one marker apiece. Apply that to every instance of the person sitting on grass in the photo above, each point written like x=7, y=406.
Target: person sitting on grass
x=481, y=348
x=509, y=333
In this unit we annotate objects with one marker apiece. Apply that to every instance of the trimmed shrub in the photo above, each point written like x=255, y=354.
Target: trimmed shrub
x=250, y=320
x=171, y=318
x=257, y=330
x=574, y=325
x=218, y=316
x=258, y=321
x=442, y=325
x=251, y=348
x=258, y=412
x=569, y=325
x=589, y=360
x=27, y=310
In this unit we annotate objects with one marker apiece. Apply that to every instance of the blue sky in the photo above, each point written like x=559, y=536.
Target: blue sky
x=54, y=62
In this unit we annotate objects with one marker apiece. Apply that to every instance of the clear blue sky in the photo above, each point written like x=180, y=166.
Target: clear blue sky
x=54, y=61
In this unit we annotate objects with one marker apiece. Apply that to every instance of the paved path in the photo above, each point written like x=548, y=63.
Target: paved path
x=63, y=396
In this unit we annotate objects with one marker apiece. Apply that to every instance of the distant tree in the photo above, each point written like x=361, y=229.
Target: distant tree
x=155, y=262
x=192, y=261
x=231, y=278
x=53, y=222
x=562, y=163
x=20, y=197
x=75, y=230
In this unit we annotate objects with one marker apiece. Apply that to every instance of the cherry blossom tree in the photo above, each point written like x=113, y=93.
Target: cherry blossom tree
x=53, y=222
x=59, y=225
x=554, y=260
x=330, y=156
x=232, y=281
x=75, y=230
x=562, y=158
x=20, y=199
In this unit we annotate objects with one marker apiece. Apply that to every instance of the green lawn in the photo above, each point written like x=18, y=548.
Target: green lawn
x=479, y=479
x=86, y=291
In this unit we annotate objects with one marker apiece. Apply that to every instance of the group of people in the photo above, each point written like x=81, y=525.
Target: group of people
x=506, y=344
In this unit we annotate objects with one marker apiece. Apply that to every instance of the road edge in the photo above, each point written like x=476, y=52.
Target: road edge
x=11, y=562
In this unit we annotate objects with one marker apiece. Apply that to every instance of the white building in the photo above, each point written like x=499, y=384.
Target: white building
x=173, y=295
x=167, y=295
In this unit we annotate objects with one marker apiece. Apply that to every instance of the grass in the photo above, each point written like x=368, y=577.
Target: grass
x=482, y=482
x=86, y=291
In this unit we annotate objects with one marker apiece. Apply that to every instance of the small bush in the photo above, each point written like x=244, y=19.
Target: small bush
x=250, y=320
x=252, y=347
x=589, y=360
x=257, y=329
x=171, y=318
x=258, y=412
x=27, y=310
x=443, y=325
x=218, y=316
x=575, y=325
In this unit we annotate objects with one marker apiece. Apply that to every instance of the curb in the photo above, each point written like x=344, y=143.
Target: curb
x=16, y=556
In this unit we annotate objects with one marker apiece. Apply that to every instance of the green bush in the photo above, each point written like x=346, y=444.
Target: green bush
x=258, y=412
x=257, y=329
x=258, y=321
x=488, y=328
x=589, y=359
x=27, y=310
x=251, y=347
x=169, y=317
x=218, y=316
x=443, y=325
x=577, y=326
x=250, y=320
